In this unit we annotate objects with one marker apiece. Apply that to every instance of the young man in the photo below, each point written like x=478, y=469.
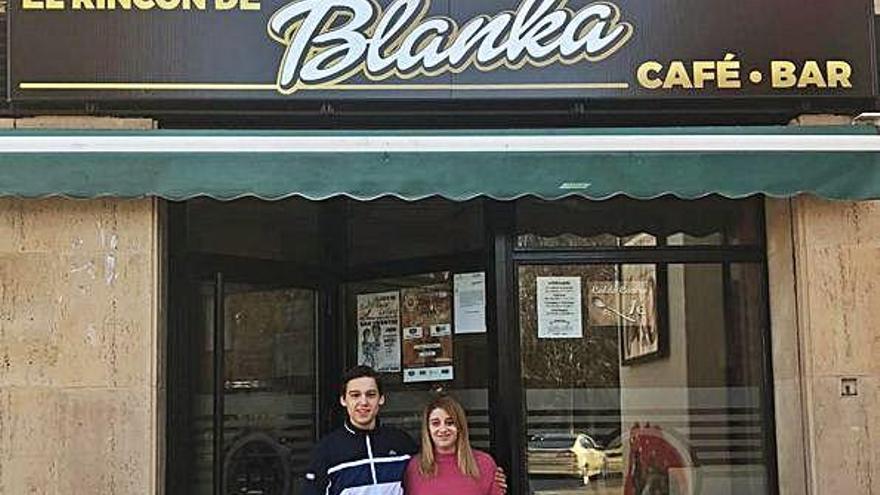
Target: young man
x=362, y=457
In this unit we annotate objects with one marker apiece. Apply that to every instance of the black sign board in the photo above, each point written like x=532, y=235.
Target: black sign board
x=440, y=49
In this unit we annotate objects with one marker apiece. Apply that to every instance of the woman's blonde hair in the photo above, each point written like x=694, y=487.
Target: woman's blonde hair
x=465, y=456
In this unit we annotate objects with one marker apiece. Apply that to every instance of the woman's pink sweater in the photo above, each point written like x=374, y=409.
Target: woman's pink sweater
x=449, y=480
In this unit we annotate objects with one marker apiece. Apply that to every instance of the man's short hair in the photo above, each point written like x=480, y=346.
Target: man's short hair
x=360, y=371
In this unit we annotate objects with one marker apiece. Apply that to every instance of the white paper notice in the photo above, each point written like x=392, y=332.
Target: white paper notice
x=559, y=308
x=470, y=302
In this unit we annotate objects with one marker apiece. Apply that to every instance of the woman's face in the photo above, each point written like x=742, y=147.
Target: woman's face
x=443, y=431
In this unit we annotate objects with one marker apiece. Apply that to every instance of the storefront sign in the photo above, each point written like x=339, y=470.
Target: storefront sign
x=439, y=49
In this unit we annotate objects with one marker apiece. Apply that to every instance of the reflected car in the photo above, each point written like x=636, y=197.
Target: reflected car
x=565, y=454
x=613, y=459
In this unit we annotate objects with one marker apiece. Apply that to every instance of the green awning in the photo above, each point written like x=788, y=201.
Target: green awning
x=832, y=162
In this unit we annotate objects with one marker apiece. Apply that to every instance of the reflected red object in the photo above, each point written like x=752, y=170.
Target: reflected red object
x=652, y=453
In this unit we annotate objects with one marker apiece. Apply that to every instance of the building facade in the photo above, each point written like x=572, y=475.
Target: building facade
x=669, y=308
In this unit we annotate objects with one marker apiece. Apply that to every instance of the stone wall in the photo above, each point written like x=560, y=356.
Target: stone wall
x=824, y=260
x=80, y=375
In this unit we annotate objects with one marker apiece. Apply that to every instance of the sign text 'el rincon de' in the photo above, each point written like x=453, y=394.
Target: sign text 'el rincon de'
x=441, y=49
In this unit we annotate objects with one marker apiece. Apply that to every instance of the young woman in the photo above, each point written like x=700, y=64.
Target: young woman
x=447, y=464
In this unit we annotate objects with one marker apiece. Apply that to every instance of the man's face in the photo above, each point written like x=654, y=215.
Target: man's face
x=362, y=402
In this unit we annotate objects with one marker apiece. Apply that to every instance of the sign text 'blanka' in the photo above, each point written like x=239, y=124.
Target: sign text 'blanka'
x=330, y=41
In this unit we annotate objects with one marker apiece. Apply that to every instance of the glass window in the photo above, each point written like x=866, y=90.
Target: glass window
x=625, y=222
x=251, y=228
x=414, y=228
x=644, y=378
x=199, y=427
x=535, y=241
x=425, y=303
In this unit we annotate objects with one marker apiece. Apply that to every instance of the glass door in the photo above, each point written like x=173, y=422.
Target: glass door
x=268, y=387
x=254, y=418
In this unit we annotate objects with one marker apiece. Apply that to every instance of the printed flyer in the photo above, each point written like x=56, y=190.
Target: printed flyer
x=426, y=316
x=378, y=324
x=560, y=315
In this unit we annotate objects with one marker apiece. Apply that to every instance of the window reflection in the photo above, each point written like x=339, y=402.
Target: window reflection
x=624, y=222
x=568, y=240
x=572, y=388
x=609, y=412
x=682, y=239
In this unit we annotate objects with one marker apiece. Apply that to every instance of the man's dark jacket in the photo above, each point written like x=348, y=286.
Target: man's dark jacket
x=350, y=461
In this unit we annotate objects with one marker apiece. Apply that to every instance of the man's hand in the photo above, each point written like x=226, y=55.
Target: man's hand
x=501, y=479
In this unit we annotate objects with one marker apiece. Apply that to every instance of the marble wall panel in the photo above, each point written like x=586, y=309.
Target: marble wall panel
x=844, y=309
x=30, y=340
x=108, y=325
x=78, y=346
x=870, y=386
x=35, y=433
x=783, y=304
x=838, y=265
x=788, y=399
x=790, y=444
x=843, y=444
x=834, y=223
x=75, y=320
x=58, y=225
x=106, y=435
x=79, y=122
x=30, y=475
x=9, y=218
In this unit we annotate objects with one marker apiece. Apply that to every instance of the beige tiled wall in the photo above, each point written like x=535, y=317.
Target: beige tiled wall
x=824, y=259
x=79, y=373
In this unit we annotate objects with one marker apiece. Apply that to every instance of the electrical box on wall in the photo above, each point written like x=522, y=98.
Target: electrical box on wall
x=849, y=387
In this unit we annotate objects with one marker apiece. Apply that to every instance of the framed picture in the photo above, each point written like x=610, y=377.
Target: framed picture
x=630, y=303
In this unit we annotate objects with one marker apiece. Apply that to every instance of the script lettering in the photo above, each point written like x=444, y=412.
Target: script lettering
x=330, y=41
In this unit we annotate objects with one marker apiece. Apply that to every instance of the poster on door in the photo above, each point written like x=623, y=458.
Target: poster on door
x=426, y=317
x=378, y=325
